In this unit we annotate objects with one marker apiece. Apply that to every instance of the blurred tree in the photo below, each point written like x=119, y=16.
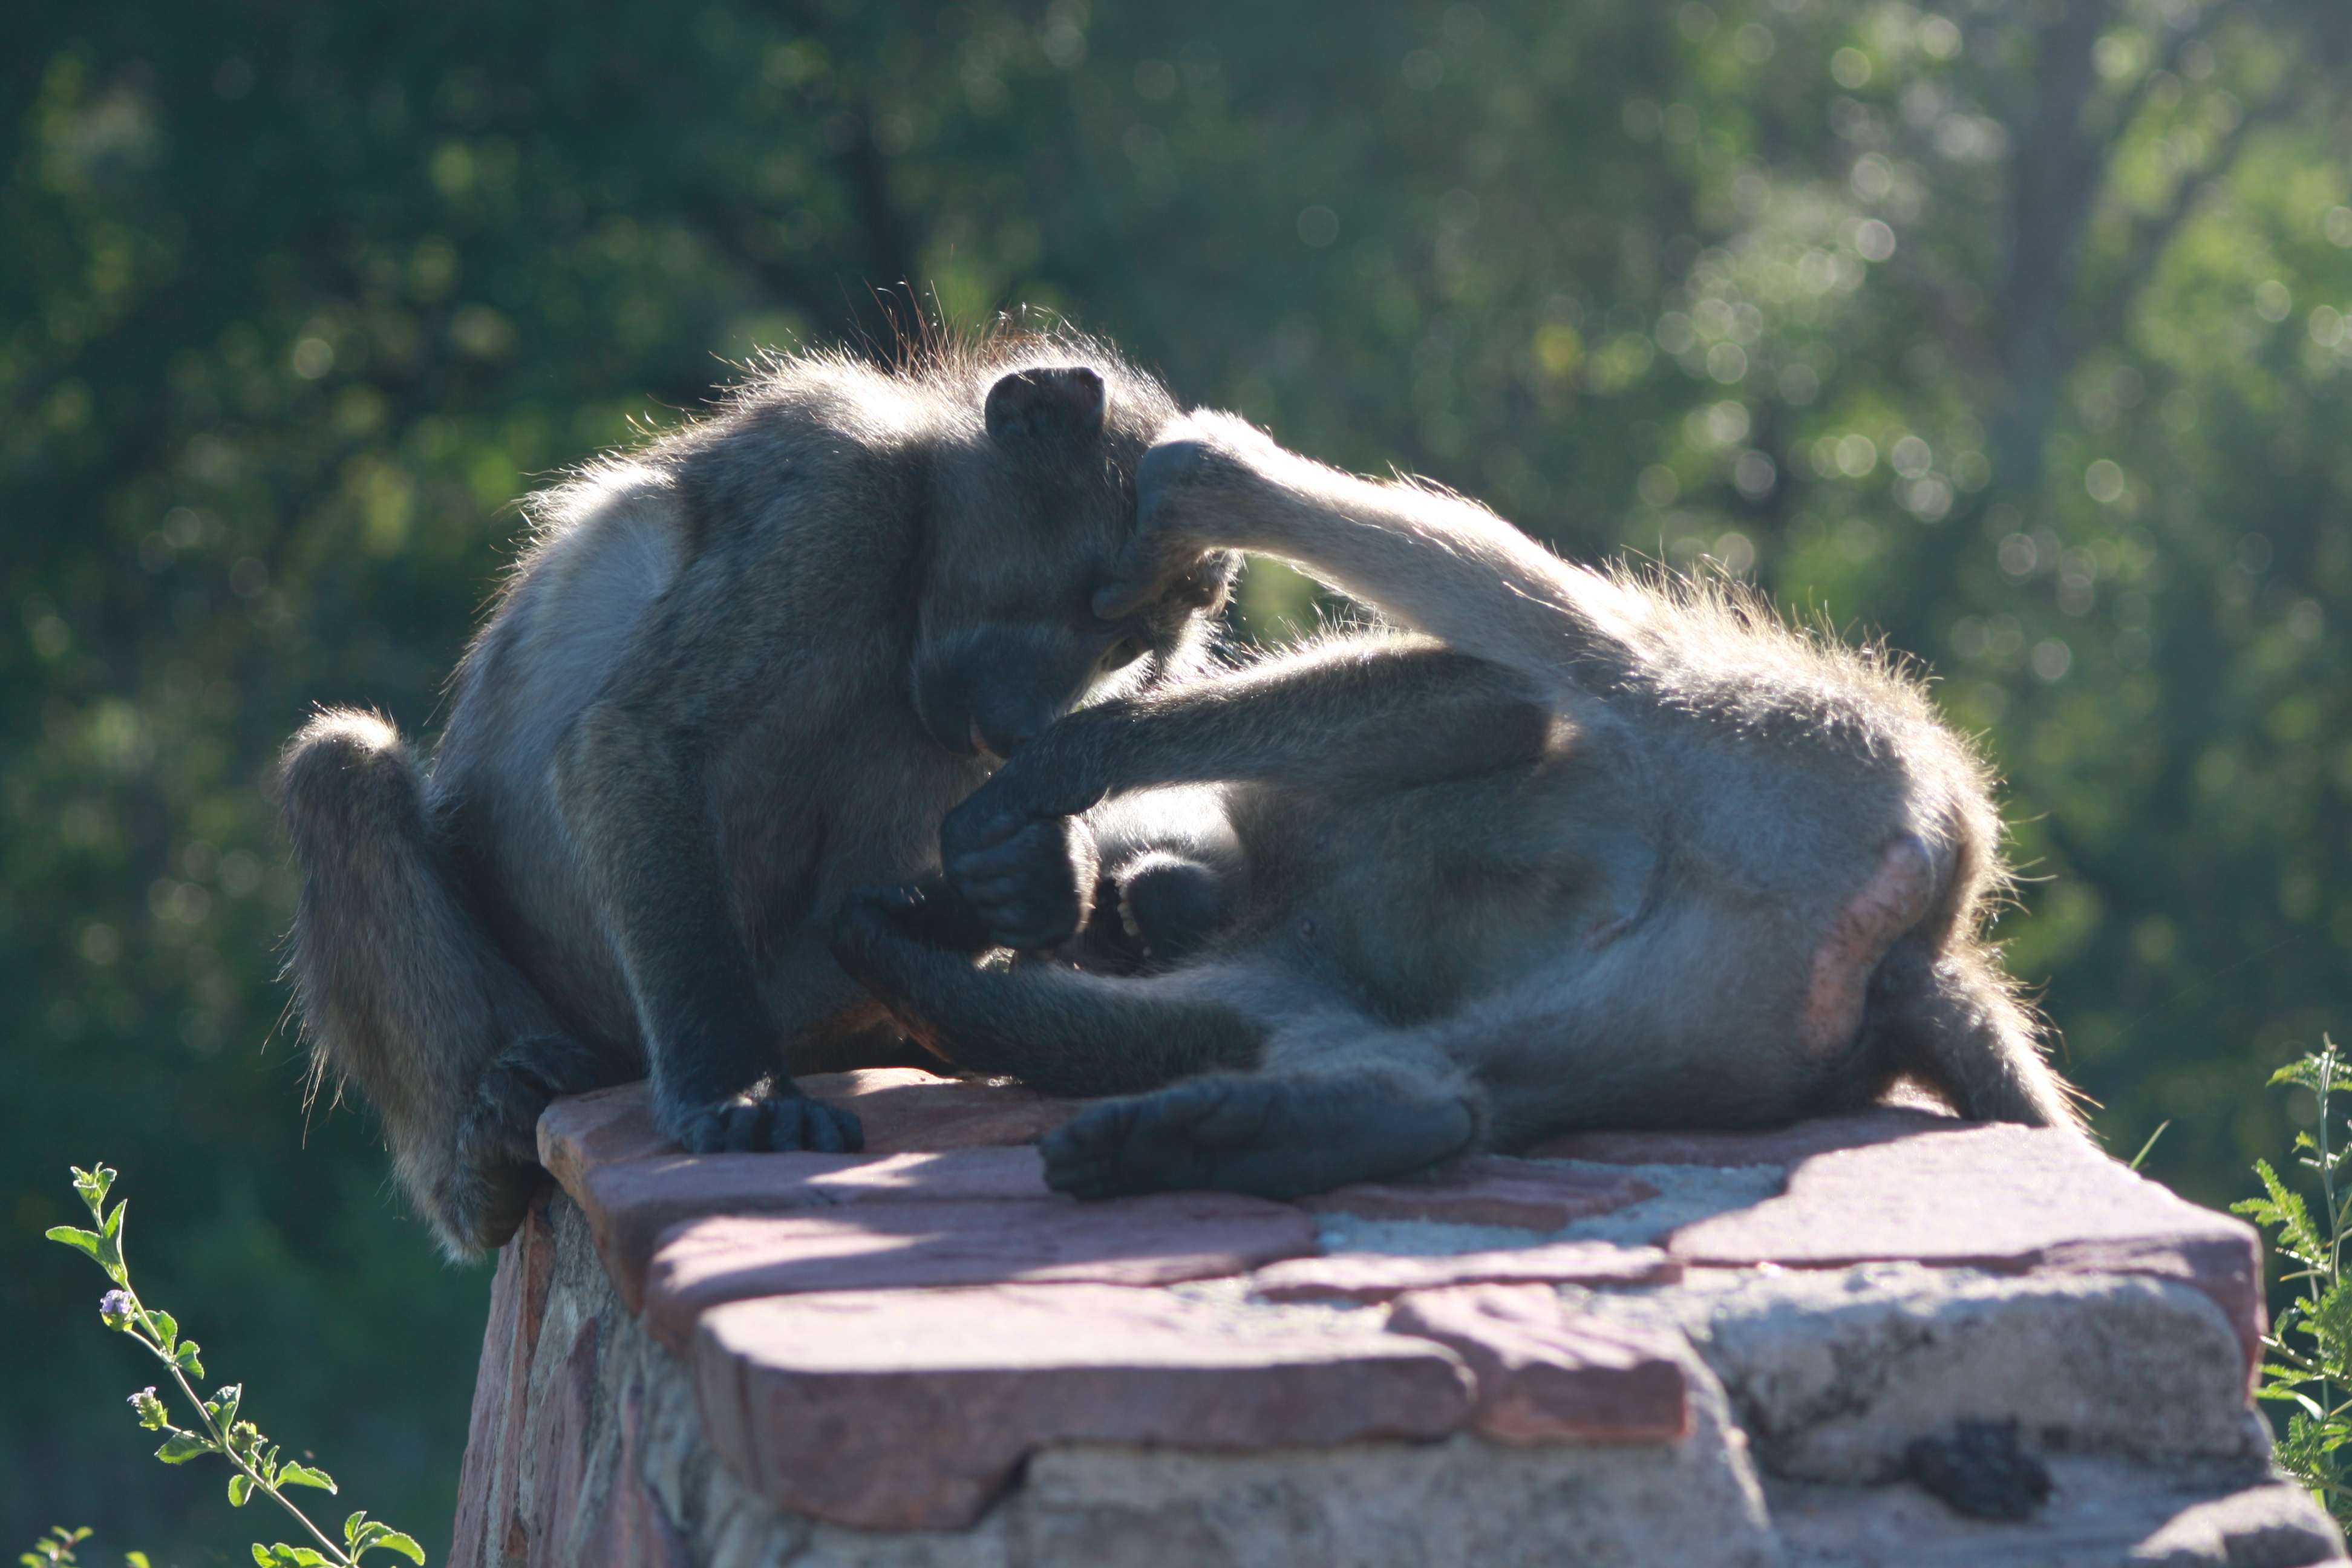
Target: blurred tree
x=2017, y=331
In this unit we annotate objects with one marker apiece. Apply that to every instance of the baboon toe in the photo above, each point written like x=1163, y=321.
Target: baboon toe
x=777, y=1124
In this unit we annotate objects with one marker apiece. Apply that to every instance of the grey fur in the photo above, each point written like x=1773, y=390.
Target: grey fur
x=736, y=675
x=1578, y=851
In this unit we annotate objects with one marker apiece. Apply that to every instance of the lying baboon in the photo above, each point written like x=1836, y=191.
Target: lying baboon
x=1580, y=850
x=736, y=675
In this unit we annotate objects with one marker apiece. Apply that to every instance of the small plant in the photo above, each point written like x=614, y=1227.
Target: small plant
x=2313, y=1371
x=259, y=1470
x=55, y=1549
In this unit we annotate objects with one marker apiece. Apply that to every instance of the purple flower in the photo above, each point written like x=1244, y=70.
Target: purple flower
x=115, y=1309
x=148, y=1408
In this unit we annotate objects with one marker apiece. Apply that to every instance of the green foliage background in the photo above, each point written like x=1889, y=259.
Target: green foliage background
x=2015, y=329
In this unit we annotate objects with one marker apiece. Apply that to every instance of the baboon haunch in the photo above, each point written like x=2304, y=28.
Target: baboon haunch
x=736, y=675
x=1576, y=850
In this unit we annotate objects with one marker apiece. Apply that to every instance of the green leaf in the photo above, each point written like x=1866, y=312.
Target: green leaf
x=2144, y=1148
x=185, y=1359
x=167, y=1326
x=222, y=1405
x=261, y=1555
x=92, y=1184
x=135, y=1558
x=88, y=1240
x=181, y=1447
x=292, y=1556
x=296, y=1475
x=2285, y=1209
x=405, y=1546
x=240, y=1487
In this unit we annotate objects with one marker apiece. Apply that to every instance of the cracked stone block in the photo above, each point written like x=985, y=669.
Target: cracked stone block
x=1381, y=1276
x=2013, y=1197
x=1153, y=1240
x=911, y=1409
x=1490, y=1191
x=629, y=1204
x=1545, y=1373
x=2277, y=1526
x=1835, y=1374
x=902, y=1109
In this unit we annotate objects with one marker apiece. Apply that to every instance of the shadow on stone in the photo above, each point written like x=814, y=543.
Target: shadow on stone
x=1980, y=1471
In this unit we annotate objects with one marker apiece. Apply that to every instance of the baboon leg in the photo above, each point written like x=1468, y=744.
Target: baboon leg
x=1952, y=1022
x=1276, y=1135
x=1053, y=1027
x=406, y=993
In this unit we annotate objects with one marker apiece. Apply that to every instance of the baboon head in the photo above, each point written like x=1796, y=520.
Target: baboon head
x=1028, y=517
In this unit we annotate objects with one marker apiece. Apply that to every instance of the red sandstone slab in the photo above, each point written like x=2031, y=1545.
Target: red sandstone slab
x=1991, y=1196
x=1381, y=1276
x=1490, y=1192
x=629, y=1204
x=902, y=1109
x=913, y=1409
x=1544, y=1374
x=1153, y=1240
x=1773, y=1146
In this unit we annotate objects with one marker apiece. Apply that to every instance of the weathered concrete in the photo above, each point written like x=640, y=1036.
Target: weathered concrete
x=1837, y=1318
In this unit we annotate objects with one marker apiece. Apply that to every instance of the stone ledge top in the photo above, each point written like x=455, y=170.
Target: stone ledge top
x=879, y=1339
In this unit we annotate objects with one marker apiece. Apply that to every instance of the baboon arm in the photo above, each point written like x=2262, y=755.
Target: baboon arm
x=1352, y=715
x=1438, y=562
x=626, y=792
x=1055, y=1028
x=633, y=787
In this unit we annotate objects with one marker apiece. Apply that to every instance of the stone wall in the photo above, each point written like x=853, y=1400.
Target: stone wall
x=1880, y=1340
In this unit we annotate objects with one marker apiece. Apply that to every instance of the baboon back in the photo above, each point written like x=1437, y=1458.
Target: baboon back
x=736, y=675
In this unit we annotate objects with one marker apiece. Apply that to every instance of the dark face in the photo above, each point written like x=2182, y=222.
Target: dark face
x=1026, y=528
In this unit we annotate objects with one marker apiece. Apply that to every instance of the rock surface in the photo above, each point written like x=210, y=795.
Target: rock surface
x=918, y=1359
x=908, y=1409
x=1154, y=1240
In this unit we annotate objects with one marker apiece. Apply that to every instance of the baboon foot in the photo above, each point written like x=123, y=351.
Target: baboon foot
x=778, y=1123
x=1274, y=1137
x=1168, y=907
x=502, y=1123
x=496, y=1173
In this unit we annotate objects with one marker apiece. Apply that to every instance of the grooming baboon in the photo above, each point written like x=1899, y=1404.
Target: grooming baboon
x=1579, y=850
x=736, y=675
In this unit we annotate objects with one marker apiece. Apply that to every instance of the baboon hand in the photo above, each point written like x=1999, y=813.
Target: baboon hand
x=1185, y=485
x=1025, y=878
x=767, y=1123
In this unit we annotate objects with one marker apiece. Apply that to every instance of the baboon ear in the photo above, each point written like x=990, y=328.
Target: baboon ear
x=1029, y=403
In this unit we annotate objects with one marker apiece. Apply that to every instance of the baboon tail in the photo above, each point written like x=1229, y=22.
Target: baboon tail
x=1953, y=1022
x=404, y=993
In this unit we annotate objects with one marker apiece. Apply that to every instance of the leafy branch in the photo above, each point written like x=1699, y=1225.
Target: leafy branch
x=219, y=1430
x=2314, y=1371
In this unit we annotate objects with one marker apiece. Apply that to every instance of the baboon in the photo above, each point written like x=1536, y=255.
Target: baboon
x=734, y=676
x=1572, y=849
